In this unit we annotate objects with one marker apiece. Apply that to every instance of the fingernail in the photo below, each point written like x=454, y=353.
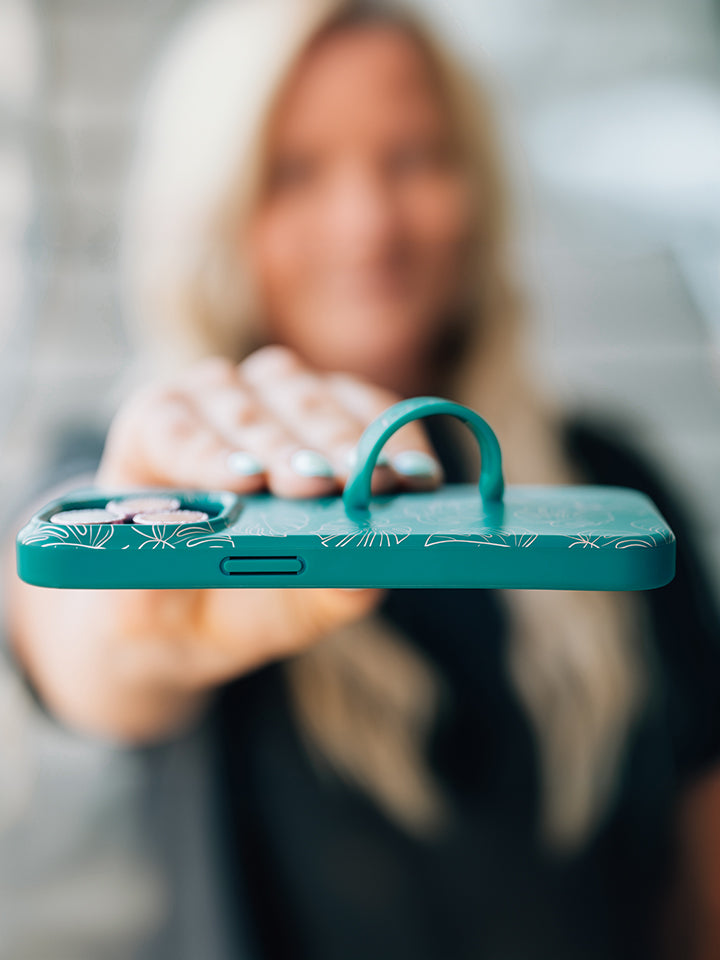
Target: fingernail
x=243, y=464
x=351, y=457
x=310, y=463
x=415, y=463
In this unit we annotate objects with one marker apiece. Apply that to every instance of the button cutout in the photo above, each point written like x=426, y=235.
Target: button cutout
x=257, y=566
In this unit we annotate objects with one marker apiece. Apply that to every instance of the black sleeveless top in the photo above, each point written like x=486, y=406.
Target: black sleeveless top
x=314, y=870
x=325, y=875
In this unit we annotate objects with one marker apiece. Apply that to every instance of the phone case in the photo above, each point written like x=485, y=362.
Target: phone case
x=584, y=537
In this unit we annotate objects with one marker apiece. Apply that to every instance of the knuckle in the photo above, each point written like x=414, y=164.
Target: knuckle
x=383, y=397
x=212, y=369
x=173, y=416
x=341, y=378
x=314, y=402
x=231, y=404
x=340, y=434
x=270, y=439
x=243, y=410
x=146, y=397
x=270, y=360
x=372, y=397
x=136, y=409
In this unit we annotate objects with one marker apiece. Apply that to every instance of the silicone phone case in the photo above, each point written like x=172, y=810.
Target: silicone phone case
x=589, y=537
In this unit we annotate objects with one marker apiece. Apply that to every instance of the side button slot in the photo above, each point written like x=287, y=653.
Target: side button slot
x=261, y=565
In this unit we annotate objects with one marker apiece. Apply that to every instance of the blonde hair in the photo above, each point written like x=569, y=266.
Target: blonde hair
x=365, y=698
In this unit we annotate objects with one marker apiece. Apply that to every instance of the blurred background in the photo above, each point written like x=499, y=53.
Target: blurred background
x=611, y=116
x=611, y=113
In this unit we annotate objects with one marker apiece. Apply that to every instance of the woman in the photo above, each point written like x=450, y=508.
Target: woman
x=317, y=228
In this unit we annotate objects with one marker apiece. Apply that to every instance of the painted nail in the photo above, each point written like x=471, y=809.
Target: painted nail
x=351, y=457
x=243, y=464
x=415, y=463
x=310, y=463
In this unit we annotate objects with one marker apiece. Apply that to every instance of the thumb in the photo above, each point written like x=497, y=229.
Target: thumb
x=340, y=605
x=312, y=613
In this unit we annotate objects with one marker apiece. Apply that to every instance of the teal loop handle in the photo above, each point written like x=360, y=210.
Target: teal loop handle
x=357, y=492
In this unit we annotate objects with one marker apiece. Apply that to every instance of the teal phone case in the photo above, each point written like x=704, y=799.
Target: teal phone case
x=584, y=537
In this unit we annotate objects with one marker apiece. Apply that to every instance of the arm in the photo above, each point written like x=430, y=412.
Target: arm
x=81, y=667
x=137, y=664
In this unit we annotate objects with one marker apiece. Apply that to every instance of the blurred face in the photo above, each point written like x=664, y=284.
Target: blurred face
x=358, y=243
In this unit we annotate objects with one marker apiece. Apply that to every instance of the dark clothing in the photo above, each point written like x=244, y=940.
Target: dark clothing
x=323, y=874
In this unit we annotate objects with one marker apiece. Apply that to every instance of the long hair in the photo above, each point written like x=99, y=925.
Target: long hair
x=364, y=697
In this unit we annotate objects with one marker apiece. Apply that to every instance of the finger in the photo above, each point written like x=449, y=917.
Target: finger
x=149, y=440
x=285, y=620
x=232, y=411
x=301, y=398
x=290, y=468
x=180, y=447
x=410, y=453
x=332, y=607
x=315, y=612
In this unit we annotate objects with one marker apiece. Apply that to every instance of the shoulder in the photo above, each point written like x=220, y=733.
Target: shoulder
x=613, y=453
x=609, y=451
x=685, y=612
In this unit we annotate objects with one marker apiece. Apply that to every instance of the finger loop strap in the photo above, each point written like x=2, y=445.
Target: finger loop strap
x=357, y=492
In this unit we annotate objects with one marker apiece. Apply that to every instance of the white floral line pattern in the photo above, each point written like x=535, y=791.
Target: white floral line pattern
x=183, y=536
x=365, y=538
x=96, y=536
x=90, y=536
x=524, y=540
x=480, y=539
